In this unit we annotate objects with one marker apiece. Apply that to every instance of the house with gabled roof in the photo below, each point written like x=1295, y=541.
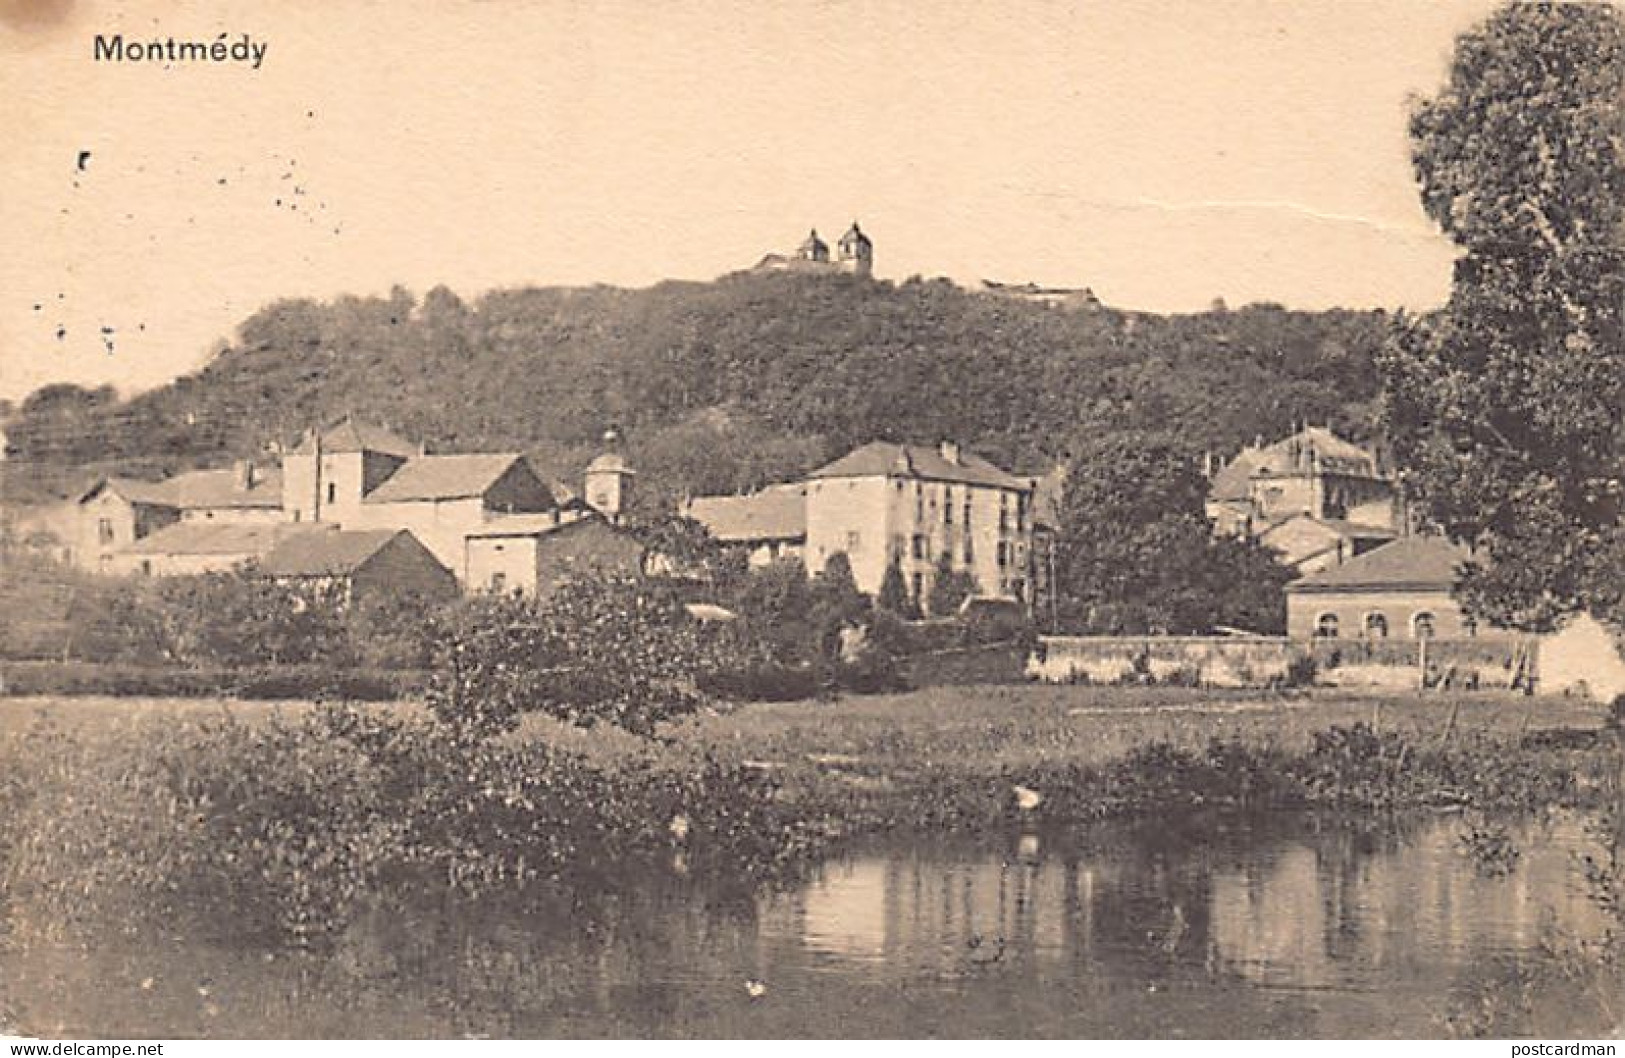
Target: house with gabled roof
x=113, y=514
x=1314, y=497
x=886, y=503
x=360, y=563
x=1402, y=590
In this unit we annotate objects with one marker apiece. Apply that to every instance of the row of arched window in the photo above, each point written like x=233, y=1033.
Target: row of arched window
x=1424, y=625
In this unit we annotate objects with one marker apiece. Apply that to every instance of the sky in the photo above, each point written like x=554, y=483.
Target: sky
x=1162, y=153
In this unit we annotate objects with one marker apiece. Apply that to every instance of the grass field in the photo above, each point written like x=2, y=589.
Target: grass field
x=1001, y=728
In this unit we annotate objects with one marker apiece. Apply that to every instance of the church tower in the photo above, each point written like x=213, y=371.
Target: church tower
x=814, y=249
x=857, y=253
x=609, y=481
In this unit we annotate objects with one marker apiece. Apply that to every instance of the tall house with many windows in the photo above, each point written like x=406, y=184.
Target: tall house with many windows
x=912, y=504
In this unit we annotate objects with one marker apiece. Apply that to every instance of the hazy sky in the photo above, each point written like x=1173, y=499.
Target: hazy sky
x=1162, y=153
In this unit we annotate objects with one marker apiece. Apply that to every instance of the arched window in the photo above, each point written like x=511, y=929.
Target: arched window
x=1423, y=626
x=1376, y=626
x=1326, y=626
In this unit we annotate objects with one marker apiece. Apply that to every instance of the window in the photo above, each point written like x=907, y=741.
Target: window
x=948, y=506
x=966, y=520
x=296, y=514
x=104, y=530
x=918, y=580
x=499, y=580
x=1003, y=553
x=1423, y=625
x=1376, y=626
x=146, y=567
x=332, y=492
x=918, y=548
x=1469, y=627
x=1326, y=626
x=970, y=552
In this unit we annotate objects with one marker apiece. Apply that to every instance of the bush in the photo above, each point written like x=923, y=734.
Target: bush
x=283, y=682
x=615, y=650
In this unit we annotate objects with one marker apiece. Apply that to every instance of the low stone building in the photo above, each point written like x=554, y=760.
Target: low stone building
x=1402, y=590
x=360, y=564
x=533, y=554
x=767, y=525
x=192, y=548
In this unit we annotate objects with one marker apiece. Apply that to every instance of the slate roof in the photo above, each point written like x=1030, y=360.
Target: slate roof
x=212, y=538
x=448, y=477
x=1341, y=526
x=223, y=488
x=1287, y=456
x=326, y=554
x=882, y=458
x=778, y=512
x=1416, y=563
x=354, y=435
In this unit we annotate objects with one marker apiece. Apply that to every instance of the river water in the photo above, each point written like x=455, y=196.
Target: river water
x=1285, y=926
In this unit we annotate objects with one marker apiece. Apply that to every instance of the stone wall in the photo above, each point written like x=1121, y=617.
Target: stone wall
x=1209, y=661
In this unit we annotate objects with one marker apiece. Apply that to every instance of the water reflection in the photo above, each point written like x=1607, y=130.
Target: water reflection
x=1197, y=927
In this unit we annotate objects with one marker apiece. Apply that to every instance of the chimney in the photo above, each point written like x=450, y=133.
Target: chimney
x=950, y=452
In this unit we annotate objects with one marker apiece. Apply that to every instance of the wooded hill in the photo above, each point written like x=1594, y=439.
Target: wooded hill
x=724, y=385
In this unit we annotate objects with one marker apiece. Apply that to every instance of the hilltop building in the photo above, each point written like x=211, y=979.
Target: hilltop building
x=855, y=255
x=1314, y=497
x=888, y=503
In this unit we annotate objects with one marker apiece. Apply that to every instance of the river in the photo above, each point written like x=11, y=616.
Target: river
x=1284, y=926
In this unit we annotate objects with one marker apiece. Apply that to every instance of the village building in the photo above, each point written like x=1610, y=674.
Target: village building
x=1314, y=497
x=532, y=554
x=767, y=526
x=186, y=549
x=113, y=514
x=359, y=564
x=1401, y=590
x=887, y=503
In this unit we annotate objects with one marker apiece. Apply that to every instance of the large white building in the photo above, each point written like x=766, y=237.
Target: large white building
x=887, y=503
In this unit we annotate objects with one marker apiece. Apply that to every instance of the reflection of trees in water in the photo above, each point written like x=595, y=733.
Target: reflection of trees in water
x=1100, y=929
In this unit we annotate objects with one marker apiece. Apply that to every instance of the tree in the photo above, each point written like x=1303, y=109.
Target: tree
x=615, y=650
x=1507, y=407
x=893, y=596
x=949, y=586
x=1136, y=553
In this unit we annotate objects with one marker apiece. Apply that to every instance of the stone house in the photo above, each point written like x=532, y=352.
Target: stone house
x=1316, y=498
x=1402, y=590
x=195, y=547
x=532, y=554
x=113, y=514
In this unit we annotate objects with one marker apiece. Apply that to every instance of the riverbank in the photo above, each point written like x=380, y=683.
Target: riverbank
x=275, y=825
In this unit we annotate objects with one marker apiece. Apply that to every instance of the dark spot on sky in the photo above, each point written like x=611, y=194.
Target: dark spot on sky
x=26, y=15
x=84, y=161
x=221, y=181
x=61, y=332
x=37, y=306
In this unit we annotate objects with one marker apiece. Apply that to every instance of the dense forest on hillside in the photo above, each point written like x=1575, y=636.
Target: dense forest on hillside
x=724, y=385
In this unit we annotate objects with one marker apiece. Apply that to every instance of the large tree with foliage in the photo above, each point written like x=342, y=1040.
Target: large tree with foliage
x=1508, y=406
x=1136, y=551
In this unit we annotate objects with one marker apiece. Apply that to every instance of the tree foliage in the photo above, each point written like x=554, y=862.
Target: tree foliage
x=950, y=586
x=1508, y=406
x=728, y=385
x=612, y=650
x=1136, y=553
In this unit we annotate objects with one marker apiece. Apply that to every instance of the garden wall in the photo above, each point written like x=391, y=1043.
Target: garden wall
x=1209, y=661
